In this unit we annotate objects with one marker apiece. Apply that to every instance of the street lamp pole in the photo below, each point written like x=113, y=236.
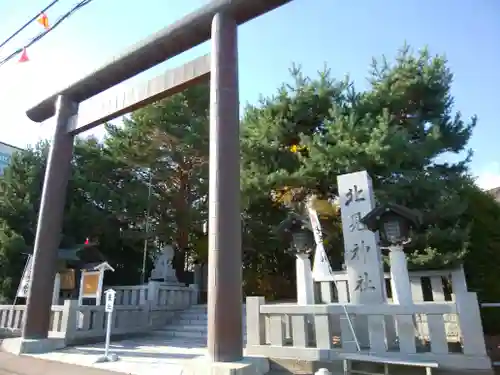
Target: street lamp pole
x=148, y=211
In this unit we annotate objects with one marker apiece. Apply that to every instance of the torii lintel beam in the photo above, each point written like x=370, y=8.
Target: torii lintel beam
x=97, y=110
x=188, y=32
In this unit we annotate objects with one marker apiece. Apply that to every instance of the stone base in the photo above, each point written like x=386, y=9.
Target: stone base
x=248, y=366
x=109, y=358
x=32, y=346
x=167, y=282
x=172, y=283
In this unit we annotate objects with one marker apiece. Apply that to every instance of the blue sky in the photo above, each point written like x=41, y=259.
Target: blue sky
x=344, y=34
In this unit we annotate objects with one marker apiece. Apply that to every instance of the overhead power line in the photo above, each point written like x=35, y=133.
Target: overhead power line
x=28, y=23
x=61, y=19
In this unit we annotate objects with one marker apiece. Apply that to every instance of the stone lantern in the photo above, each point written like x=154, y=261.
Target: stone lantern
x=395, y=224
x=297, y=230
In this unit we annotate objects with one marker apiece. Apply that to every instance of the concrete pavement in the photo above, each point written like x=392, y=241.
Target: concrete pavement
x=147, y=355
x=25, y=365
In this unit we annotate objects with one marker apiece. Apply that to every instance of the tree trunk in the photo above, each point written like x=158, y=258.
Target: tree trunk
x=179, y=263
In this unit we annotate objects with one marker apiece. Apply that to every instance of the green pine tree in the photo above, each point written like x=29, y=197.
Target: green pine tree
x=167, y=142
x=12, y=259
x=100, y=193
x=400, y=130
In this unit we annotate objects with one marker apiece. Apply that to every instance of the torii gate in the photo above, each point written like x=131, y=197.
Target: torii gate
x=217, y=20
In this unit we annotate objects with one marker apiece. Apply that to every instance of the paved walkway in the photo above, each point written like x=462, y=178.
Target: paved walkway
x=150, y=355
x=143, y=356
x=23, y=365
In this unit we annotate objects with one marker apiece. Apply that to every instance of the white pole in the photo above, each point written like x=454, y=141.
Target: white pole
x=57, y=289
x=80, y=292
x=108, y=333
x=98, y=298
x=108, y=308
x=400, y=279
x=305, y=283
x=145, y=250
x=22, y=279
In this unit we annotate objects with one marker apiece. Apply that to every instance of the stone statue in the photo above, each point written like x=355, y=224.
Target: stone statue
x=163, y=269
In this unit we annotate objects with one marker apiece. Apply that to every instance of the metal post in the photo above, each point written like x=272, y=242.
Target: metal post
x=225, y=338
x=108, y=308
x=48, y=232
x=108, y=333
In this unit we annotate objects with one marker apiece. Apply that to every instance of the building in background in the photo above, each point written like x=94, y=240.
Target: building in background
x=6, y=152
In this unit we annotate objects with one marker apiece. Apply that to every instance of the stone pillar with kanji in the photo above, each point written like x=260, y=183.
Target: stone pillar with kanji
x=362, y=256
x=363, y=259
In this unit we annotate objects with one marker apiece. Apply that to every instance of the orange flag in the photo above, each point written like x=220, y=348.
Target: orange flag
x=24, y=56
x=43, y=20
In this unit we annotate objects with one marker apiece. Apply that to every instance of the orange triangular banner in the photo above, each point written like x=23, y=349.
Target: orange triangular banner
x=43, y=20
x=24, y=56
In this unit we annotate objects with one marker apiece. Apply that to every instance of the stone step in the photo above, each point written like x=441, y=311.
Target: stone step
x=203, y=308
x=206, y=306
x=171, y=332
x=194, y=313
x=192, y=327
x=198, y=309
x=182, y=321
x=193, y=317
x=194, y=337
x=186, y=322
x=200, y=312
x=181, y=342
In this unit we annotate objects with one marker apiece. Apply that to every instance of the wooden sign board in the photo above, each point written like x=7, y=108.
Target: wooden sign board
x=68, y=281
x=91, y=282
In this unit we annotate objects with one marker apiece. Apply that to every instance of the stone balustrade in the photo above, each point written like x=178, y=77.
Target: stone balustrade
x=322, y=332
x=426, y=286
x=137, y=309
x=11, y=319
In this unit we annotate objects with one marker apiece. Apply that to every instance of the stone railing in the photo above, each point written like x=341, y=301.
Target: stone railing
x=91, y=321
x=11, y=320
x=158, y=294
x=130, y=295
x=426, y=286
x=322, y=332
x=137, y=309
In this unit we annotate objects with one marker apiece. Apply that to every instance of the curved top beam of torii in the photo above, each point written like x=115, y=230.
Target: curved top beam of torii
x=188, y=32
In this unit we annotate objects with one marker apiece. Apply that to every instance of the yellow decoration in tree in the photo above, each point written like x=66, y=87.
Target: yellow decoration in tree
x=297, y=148
x=324, y=207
